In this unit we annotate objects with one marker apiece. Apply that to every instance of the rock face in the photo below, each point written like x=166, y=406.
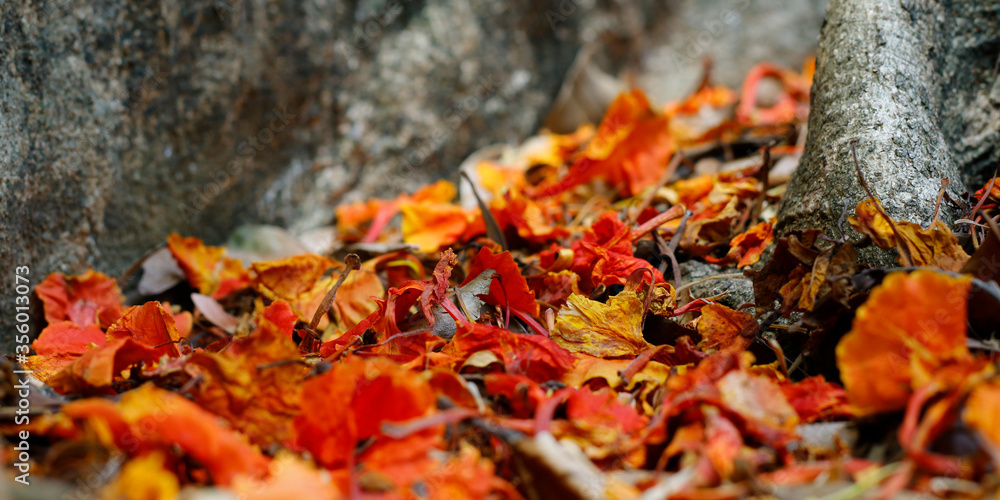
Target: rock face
x=121, y=122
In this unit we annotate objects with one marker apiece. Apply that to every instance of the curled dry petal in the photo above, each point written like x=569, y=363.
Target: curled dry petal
x=604, y=330
x=911, y=324
x=91, y=298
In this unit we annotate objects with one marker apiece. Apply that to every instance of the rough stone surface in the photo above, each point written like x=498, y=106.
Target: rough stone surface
x=901, y=78
x=739, y=289
x=121, y=122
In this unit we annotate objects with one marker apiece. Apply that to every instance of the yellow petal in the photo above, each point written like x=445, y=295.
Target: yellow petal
x=604, y=330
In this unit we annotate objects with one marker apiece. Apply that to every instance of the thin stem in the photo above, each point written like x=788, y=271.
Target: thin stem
x=937, y=205
x=675, y=162
x=492, y=227
x=903, y=251
x=710, y=278
x=352, y=262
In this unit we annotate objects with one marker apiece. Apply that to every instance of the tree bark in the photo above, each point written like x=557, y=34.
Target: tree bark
x=913, y=83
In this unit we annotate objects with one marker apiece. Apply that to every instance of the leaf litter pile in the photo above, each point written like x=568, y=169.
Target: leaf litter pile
x=540, y=339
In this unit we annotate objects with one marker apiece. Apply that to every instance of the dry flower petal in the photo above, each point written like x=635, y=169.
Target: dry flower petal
x=910, y=322
x=604, y=330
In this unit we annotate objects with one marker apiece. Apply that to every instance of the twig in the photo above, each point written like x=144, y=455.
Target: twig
x=795, y=364
x=461, y=304
x=993, y=227
x=765, y=171
x=903, y=251
x=664, y=249
x=282, y=362
x=937, y=205
x=710, y=278
x=675, y=240
x=506, y=311
x=634, y=283
x=779, y=353
x=352, y=261
x=652, y=224
x=840, y=221
x=492, y=228
x=671, y=248
x=675, y=162
x=866, y=483
x=584, y=211
x=989, y=188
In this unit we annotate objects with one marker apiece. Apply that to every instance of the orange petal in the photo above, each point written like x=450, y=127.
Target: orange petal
x=726, y=330
x=630, y=149
x=814, y=399
x=351, y=216
x=910, y=320
x=982, y=413
x=91, y=298
x=297, y=280
x=535, y=356
x=252, y=384
x=509, y=289
x=431, y=225
x=97, y=368
x=160, y=417
x=207, y=268
x=441, y=191
x=144, y=478
x=752, y=243
x=66, y=337
x=350, y=402
x=149, y=324
x=290, y=477
x=870, y=222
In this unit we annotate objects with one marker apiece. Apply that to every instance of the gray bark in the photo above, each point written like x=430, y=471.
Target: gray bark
x=911, y=81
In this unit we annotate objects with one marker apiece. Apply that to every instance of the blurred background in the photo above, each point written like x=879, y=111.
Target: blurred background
x=121, y=122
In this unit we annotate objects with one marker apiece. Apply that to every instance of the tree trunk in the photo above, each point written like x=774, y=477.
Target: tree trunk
x=911, y=81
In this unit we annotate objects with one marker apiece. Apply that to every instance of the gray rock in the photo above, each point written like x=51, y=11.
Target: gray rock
x=739, y=290
x=122, y=122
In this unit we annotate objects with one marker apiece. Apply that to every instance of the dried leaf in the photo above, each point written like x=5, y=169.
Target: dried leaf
x=349, y=403
x=934, y=247
x=603, y=330
x=911, y=323
x=207, y=268
x=723, y=329
x=91, y=298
